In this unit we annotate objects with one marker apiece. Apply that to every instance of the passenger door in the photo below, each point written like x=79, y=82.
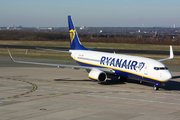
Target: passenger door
x=146, y=69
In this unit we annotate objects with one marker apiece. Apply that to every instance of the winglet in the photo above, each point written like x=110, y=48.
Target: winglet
x=10, y=55
x=170, y=57
x=171, y=52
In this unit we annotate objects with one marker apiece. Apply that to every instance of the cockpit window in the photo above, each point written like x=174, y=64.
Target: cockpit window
x=160, y=68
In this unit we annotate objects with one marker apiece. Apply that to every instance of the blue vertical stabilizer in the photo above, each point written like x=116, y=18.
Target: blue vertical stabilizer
x=74, y=39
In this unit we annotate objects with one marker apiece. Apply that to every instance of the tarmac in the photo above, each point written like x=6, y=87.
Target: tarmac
x=34, y=92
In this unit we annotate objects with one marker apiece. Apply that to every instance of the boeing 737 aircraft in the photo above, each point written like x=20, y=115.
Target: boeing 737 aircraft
x=101, y=64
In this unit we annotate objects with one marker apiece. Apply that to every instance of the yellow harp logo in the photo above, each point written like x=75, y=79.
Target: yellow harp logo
x=72, y=35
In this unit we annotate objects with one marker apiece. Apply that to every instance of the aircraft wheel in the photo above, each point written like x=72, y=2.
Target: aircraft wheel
x=155, y=88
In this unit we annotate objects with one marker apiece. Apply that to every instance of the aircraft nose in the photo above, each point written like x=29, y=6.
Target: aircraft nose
x=167, y=76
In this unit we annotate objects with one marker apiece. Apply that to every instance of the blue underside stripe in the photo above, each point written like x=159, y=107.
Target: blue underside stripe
x=122, y=73
x=93, y=79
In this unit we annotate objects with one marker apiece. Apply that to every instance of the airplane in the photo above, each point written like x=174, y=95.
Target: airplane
x=102, y=64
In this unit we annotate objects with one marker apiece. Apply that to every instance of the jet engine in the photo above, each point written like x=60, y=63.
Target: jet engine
x=98, y=75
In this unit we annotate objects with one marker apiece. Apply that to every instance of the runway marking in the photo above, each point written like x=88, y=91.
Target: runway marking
x=136, y=88
x=119, y=103
x=99, y=96
x=152, y=91
x=55, y=95
x=17, y=96
x=87, y=93
x=167, y=92
x=126, y=92
x=160, y=97
x=176, y=99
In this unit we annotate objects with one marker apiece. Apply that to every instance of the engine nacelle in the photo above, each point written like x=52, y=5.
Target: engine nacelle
x=98, y=75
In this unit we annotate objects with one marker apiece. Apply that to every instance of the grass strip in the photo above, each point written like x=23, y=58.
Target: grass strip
x=92, y=45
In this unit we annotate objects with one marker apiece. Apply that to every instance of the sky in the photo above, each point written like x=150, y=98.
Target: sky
x=90, y=13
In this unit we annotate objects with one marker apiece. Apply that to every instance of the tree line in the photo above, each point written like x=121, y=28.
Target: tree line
x=28, y=35
x=56, y=36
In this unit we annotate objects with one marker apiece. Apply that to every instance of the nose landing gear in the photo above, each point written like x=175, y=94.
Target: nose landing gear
x=156, y=86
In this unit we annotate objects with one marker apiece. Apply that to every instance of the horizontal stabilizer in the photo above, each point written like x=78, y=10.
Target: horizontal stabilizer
x=92, y=48
x=53, y=50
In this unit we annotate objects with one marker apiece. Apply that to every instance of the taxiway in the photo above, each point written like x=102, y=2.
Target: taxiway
x=29, y=92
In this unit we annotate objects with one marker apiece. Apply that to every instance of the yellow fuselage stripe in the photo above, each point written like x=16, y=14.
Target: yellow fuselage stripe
x=119, y=70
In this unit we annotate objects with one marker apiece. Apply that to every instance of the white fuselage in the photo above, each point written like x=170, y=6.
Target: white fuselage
x=134, y=67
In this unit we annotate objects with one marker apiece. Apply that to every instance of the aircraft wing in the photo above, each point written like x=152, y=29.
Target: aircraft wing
x=61, y=65
x=170, y=57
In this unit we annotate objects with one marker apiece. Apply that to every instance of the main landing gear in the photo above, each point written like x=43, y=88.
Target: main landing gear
x=122, y=79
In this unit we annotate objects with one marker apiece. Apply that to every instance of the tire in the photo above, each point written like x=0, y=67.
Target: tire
x=155, y=88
